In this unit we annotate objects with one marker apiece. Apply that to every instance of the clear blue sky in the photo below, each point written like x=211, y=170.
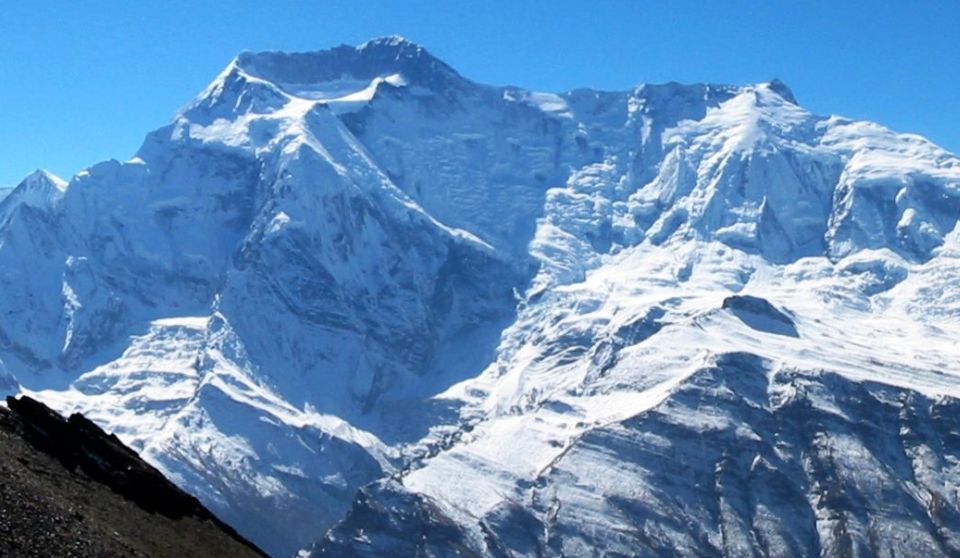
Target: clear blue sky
x=84, y=81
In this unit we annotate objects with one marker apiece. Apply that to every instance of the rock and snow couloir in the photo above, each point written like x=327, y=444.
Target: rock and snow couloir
x=353, y=297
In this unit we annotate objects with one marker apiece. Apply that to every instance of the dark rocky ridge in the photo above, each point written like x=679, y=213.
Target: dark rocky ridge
x=759, y=314
x=69, y=489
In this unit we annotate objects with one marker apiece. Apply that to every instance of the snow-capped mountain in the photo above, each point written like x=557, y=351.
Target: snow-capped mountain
x=361, y=305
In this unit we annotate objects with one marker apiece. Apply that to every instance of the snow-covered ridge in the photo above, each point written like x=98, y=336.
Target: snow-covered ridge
x=346, y=76
x=392, y=55
x=40, y=190
x=346, y=265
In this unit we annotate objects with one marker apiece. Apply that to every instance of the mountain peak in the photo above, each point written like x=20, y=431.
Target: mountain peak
x=377, y=58
x=781, y=89
x=40, y=189
x=390, y=41
x=42, y=178
x=352, y=264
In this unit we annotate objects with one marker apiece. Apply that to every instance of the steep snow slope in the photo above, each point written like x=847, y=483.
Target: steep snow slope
x=631, y=348
x=339, y=267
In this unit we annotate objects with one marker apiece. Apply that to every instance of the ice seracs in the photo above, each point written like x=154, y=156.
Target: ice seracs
x=352, y=298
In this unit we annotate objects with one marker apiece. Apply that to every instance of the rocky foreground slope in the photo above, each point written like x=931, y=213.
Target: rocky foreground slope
x=357, y=302
x=69, y=489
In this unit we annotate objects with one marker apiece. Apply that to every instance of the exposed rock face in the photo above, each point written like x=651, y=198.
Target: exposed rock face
x=69, y=489
x=738, y=461
x=759, y=314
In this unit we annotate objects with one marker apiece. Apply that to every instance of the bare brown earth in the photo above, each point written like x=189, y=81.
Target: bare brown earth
x=68, y=489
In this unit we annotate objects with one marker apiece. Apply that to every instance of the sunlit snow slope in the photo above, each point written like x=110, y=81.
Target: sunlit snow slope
x=361, y=305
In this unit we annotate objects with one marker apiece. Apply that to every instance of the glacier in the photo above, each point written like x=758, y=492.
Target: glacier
x=360, y=304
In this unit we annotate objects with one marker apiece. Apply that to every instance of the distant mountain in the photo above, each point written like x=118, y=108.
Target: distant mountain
x=357, y=302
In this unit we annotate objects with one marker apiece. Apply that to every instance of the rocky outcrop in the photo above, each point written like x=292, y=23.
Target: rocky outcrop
x=70, y=489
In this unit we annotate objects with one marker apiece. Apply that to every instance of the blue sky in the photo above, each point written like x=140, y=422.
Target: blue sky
x=84, y=81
